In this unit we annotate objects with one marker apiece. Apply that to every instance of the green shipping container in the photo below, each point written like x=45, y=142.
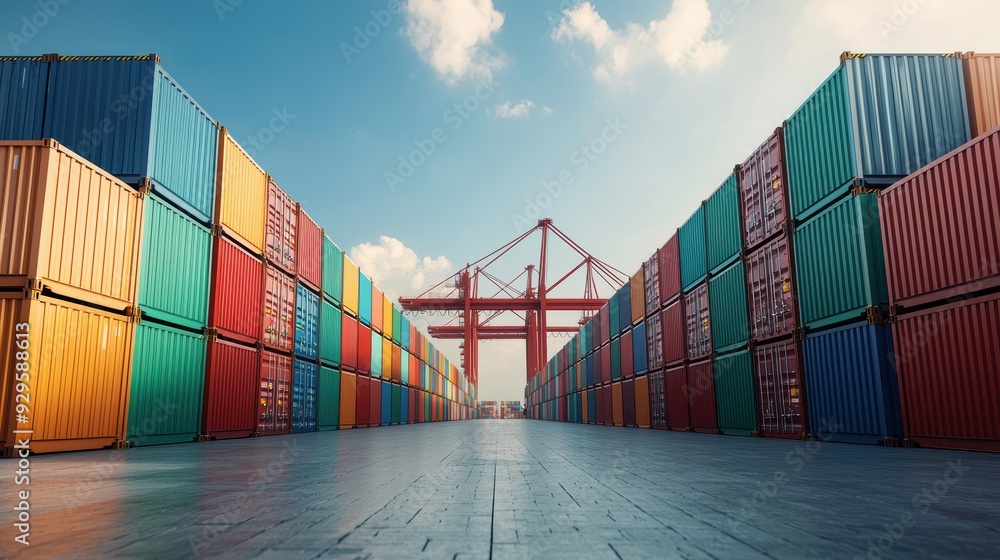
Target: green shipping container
x=691, y=237
x=168, y=377
x=723, y=228
x=397, y=325
x=427, y=407
x=616, y=359
x=840, y=267
x=333, y=271
x=727, y=297
x=613, y=311
x=174, y=267
x=735, y=401
x=328, y=401
x=397, y=403
x=330, y=331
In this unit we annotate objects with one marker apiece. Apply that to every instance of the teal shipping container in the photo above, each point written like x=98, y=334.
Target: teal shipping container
x=330, y=332
x=397, y=404
x=304, y=396
x=364, y=299
x=385, y=415
x=306, y=323
x=168, y=379
x=735, y=397
x=404, y=331
x=876, y=119
x=616, y=359
x=727, y=296
x=723, y=227
x=840, y=266
x=691, y=237
x=328, y=399
x=333, y=271
x=174, y=267
x=397, y=325
x=614, y=312
x=376, y=354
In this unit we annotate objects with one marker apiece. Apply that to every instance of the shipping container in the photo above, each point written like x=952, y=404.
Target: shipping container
x=397, y=325
x=364, y=299
x=376, y=355
x=68, y=226
x=670, y=270
x=378, y=310
x=617, y=412
x=723, y=227
x=349, y=343
x=278, y=320
x=701, y=397
x=675, y=396
x=80, y=365
x=274, y=398
x=174, y=266
x=328, y=398
x=364, y=400
x=982, y=90
x=698, y=331
x=237, y=293
x=876, y=119
x=387, y=316
x=674, y=327
x=735, y=400
x=592, y=406
x=640, y=360
x=240, y=195
x=853, y=392
x=727, y=302
x=691, y=244
x=651, y=280
x=281, y=227
x=350, y=286
x=637, y=298
x=404, y=405
x=306, y=323
x=168, y=383
x=607, y=369
x=304, y=396
x=941, y=226
x=23, y=83
x=309, y=251
x=395, y=355
x=641, y=398
x=415, y=406
x=771, y=291
x=781, y=403
x=846, y=239
x=365, y=349
x=627, y=361
x=654, y=342
x=330, y=334
x=624, y=310
x=232, y=381
x=386, y=405
x=764, y=193
x=628, y=403
x=333, y=271
x=948, y=362
x=348, y=400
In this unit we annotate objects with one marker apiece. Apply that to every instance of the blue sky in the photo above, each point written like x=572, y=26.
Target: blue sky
x=330, y=96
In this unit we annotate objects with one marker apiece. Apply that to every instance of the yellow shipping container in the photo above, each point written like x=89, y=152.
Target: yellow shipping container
x=240, y=195
x=350, y=301
x=387, y=317
x=67, y=225
x=79, y=368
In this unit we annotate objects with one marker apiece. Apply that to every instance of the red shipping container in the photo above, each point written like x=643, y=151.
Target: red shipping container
x=701, y=396
x=628, y=367
x=676, y=398
x=349, y=343
x=275, y=394
x=364, y=349
x=670, y=271
x=278, y=323
x=309, y=249
x=280, y=228
x=234, y=307
x=397, y=363
x=414, y=373
x=948, y=364
x=781, y=402
x=771, y=282
x=375, y=408
x=609, y=405
x=616, y=404
x=364, y=402
x=231, y=380
x=941, y=226
x=412, y=412
x=657, y=400
x=562, y=409
x=763, y=192
x=628, y=402
x=605, y=363
x=674, y=333
x=698, y=331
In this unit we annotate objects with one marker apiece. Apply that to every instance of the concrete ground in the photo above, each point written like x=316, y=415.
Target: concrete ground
x=508, y=489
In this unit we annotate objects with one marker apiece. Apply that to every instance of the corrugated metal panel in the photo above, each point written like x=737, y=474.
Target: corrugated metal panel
x=237, y=292
x=349, y=343
x=309, y=251
x=670, y=270
x=764, y=192
x=847, y=239
x=698, y=326
x=128, y=116
x=304, y=396
x=772, y=290
x=982, y=89
x=404, y=405
x=273, y=404
x=364, y=299
x=174, y=266
x=386, y=406
x=328, y=399
x=628, y=403
x=941, y=226
x=364, y=349
x=637, y=297
x=624, y=308
x=377, y=354
x=348, y=400
x=627, y=363
x=949, y=378
x=395, y=355
x=691, y=244
x=278, y=322
x=853, y=393
x=232, y=377
x=333, y=271
x=614, y=314
x=615, y=360
x=363, y=400
x=68, y=224
x=781, y=403
x=605, y=369
x=281, y=228
x=727, y=294
x=387, y=316
x=306, y=323
x=723, y=227
x=674, y=326
x=642, y=402
x=378, y=309
x=375, y=403
x=701, y=395
x=80, y=365
x=395, y=404
x=168, y=380
x=640, y=360
x=617, y=412
x=351, y=279
x=677, y=404
x=23, y=83
x=735, y=400
x=654, y=342
x=397, y=325
x=240, y=195
x=651, y=277
x=404, y=332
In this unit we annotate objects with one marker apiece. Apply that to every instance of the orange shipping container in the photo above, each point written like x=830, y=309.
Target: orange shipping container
x=982, y=88
x=617, y=412
x=79, y=369
x=70, y=226
x=387, y=316
x=240, y=195
x=387, y=359
x=348, y=399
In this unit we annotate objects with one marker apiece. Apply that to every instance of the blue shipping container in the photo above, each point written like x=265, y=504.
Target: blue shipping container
x=386, y=403
x=404, y=335
x=304, y=396
x=853, y=395
x=624, y=307
x=365, y=299
x=23, y=82
x=306, y=323
x=640, y=360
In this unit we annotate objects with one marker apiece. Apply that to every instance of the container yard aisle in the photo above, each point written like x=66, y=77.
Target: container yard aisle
x=513, y=489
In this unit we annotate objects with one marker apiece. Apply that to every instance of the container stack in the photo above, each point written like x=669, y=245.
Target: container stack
x=309, y=276
x=663, y=382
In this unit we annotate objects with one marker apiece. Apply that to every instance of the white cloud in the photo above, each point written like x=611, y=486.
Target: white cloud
x=396, y=269
x=524, y=108
x=453, y=36
x=681, y=40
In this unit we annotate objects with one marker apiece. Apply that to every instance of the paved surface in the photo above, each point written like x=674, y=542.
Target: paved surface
x=508, y=489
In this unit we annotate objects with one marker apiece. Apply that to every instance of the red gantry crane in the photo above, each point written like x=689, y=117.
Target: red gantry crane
x=475, y=313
